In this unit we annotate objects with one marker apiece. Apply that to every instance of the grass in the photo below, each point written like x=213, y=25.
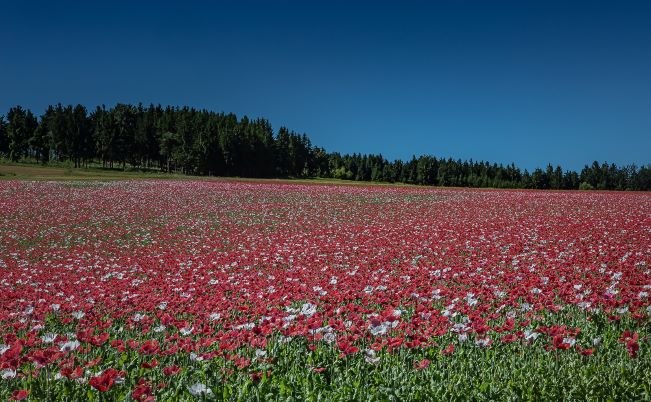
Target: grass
x=29, y=171
x=22, y=171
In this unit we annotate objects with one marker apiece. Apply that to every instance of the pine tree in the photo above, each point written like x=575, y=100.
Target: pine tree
x=4, y=140
x=20, y=128
x=41, y=139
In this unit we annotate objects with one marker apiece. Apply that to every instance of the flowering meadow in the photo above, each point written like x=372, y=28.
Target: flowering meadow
x=226, y=290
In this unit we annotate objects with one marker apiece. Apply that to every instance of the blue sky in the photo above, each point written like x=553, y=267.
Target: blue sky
x=528, y=82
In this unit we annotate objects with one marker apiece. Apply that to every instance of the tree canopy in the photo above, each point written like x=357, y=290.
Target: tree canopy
x=202, y=142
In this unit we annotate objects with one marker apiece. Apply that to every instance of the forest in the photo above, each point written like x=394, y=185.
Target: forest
x=202, y=142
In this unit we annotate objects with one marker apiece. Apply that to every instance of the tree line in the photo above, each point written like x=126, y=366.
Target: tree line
x=202, y=142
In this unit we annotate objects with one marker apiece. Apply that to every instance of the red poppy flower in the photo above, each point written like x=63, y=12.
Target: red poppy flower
x=105, y=380
x=171, y=370
x=421, y=365
x=19, y=394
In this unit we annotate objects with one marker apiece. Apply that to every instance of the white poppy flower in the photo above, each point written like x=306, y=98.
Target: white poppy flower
x=370, y=357
x=48, y=338
x=78, y=314
x=308, y=309
x=70, y=346
x=200, y=390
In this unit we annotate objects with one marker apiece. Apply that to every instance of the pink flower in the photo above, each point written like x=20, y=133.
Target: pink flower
x=106, y=380
x=19, y=394
x=171, y=370
x=448, y=350
x=421, y=365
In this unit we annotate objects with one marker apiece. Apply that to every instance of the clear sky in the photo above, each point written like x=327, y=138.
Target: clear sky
x=528, y=82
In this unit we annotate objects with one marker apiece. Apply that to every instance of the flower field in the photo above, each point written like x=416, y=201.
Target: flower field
x=224, y=290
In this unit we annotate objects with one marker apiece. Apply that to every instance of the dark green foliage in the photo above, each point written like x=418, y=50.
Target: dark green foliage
x=20, y=128
x=4, y=140
x=41, y=141
x=200, y=142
